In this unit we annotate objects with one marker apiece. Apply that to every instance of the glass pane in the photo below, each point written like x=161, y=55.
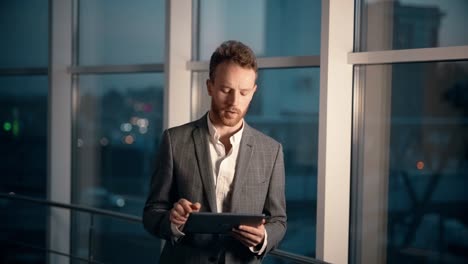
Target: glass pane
x=24, y=30
x=131, y=236
x=21, y=238
x=117, y=130
x=106, y=38
x=409, y=24
x=111, y=233
x=23, y=166
x=286, y=107
x=275, y=27
x=23, y=135
x=412, y=164
x=118, y=123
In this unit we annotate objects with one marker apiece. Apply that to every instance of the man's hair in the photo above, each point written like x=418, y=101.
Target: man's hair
x=235, y=52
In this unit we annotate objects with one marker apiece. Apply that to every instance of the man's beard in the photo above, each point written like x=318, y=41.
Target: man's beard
x=222, y=115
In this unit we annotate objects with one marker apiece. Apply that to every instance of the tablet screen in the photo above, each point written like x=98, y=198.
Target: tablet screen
x=219, y=223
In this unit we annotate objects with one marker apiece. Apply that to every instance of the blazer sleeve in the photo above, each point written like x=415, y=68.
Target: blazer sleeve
x=161, y=193
x=275, y=204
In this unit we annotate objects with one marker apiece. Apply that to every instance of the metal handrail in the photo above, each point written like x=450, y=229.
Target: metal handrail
x=81, y=208
x=12, y=196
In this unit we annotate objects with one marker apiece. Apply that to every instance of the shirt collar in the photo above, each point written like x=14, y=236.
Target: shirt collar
x=214, y=136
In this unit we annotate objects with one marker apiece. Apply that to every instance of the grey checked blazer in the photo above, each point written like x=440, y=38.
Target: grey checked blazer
x=183, y=170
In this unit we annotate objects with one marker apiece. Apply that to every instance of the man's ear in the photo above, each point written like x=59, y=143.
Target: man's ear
x=209, y=87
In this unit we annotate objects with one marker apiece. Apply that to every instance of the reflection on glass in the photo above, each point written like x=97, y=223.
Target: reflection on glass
x=269, y=27
x=24, y=29
x=286, y=107
x=408, y=24
x=20, y=235
x=118, y=122
x=23, y=164
x=410, y=186
x=111, y=234
x=23, y=134
x=117, y=130
x=121, y=32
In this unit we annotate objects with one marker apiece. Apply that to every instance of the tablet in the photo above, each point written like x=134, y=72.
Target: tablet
x=219, y=223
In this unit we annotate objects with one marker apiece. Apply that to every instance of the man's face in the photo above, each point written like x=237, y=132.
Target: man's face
x=231, y=92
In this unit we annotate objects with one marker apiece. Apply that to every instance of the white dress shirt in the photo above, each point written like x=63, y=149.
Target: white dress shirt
x=223, y=165
x=224, y=168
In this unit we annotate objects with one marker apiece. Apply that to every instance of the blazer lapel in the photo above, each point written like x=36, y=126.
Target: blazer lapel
x=243, y=160
x=202, y=152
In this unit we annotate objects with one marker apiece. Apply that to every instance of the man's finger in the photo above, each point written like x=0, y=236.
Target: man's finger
x=187, y=206
x=258, y=231
x=250, y=237
x=196, y=207
x=244, y=240
x=178, y=217
x=179, y=209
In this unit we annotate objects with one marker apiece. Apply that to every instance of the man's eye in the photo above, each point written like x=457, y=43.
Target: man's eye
x=225, y=90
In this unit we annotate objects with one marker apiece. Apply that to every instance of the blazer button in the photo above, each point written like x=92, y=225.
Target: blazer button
x=212, y=259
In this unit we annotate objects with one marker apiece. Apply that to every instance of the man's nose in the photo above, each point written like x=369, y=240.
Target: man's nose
x=234, y=98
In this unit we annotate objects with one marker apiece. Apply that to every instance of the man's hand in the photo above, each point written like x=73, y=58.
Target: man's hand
x=181, y=210
x=250, y=236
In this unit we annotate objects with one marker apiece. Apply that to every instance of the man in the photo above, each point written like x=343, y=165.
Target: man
x=219, y=164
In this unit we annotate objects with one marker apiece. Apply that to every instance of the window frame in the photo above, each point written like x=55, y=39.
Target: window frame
x=339, y=114
x=433, y=54
x=64, y=73
x=334, y=114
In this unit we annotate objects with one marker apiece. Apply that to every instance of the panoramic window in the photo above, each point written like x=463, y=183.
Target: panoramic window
x=24, y=26
x=275, y=27
x=413, y=164
x=117, y=123
x=24, y=53
x=410, y=24
x=285, y=105
x=105, y=38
